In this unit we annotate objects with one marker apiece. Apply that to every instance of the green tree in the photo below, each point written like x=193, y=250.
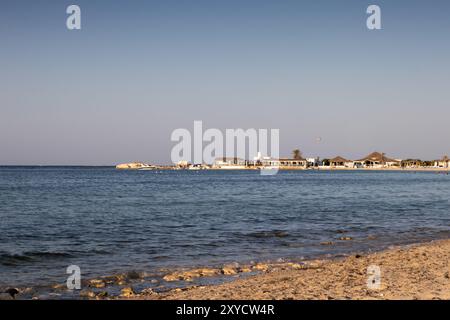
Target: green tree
x=297, y=154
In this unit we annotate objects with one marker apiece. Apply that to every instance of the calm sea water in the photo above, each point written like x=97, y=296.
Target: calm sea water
x=109, y=221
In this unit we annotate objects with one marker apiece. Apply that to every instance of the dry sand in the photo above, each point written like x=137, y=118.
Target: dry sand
x=410, y=272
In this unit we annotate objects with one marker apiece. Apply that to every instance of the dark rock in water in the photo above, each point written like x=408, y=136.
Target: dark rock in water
x=358, y=256
x=280, y=234
x=269, y=234
x=341, y=231
x=133, y=275
x=12, y=292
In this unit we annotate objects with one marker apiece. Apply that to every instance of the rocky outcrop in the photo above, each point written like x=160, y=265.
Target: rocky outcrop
x=132, y=165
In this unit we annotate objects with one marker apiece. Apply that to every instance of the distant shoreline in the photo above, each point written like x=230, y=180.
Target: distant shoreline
x=54, y=166
x=169, y=168
x=164, y=167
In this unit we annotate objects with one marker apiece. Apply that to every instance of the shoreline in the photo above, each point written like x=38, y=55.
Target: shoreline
x=172, y=168
x=409, y=271
x=415, y=271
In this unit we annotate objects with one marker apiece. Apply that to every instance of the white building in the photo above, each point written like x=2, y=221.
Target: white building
x=229, y=163
x=444, y=163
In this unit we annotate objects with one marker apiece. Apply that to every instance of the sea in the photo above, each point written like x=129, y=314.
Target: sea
x=109, y=221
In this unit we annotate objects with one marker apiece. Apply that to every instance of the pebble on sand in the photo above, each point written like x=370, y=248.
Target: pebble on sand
x=147, y=292
x=127, y=292
x=261, y=267
x=229, y=270
x=87, y=294
x=97, y=283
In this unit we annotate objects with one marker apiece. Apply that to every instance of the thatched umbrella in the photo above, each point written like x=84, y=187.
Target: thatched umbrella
x=338, y=161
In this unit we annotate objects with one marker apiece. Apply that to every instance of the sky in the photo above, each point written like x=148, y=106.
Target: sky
x=115, y=90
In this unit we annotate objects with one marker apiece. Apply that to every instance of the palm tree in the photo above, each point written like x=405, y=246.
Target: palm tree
x=297, y=154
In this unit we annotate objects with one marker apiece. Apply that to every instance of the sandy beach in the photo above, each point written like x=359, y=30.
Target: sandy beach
x=419, y=271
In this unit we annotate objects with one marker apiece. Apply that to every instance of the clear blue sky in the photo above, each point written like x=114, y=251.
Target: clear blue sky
x=115, y=90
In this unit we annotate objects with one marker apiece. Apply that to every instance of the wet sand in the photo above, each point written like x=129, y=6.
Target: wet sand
x=418, y=271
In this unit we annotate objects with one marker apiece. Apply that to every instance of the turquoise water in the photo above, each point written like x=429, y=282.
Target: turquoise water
x=108, y=221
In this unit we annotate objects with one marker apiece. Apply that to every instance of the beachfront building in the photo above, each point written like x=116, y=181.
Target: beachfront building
x=313, y=162
x=377, y=160
x=261, y=160
x=268, y=162
x=264, y=161
x=183, y=164
x=282, y=162
x=412, y=163
x=444, y=163
x=340, y=162
x=293, y=163
x=229, y=163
